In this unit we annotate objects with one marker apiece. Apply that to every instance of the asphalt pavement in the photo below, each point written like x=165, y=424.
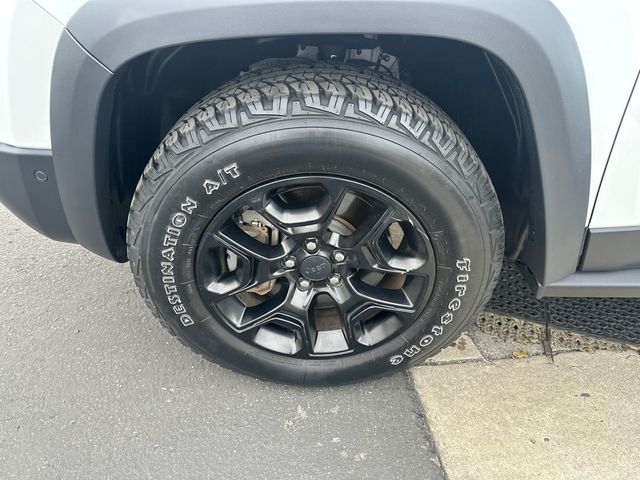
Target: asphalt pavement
x=92, y=387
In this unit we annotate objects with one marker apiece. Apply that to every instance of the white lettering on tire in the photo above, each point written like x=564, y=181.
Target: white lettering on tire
x=463, y=265
x=170, y=240
x=224, y=174
x=173, y=230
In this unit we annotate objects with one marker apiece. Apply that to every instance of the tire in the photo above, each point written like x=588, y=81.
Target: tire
x=335, y=127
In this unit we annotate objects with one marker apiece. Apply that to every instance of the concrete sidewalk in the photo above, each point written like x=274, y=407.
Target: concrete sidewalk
x=576, y=417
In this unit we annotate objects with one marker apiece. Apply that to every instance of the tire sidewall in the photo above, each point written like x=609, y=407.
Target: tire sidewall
x=436, y=193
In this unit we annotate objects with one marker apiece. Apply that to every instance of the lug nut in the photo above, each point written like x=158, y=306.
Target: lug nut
x=304, y=284
x=337, y=256
x=289, y=262
x=335, y=279
x=310, y=245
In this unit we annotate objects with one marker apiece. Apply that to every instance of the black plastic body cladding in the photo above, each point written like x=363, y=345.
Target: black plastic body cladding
x=77, y=147
x=28, y=188
x=611, y=249
x=531, y=37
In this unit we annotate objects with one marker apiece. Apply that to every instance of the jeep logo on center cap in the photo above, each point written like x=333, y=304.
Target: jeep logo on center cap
x=315, y=268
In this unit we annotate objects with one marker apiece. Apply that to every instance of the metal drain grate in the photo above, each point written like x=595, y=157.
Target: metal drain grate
x=613, y=318
x=509, y=329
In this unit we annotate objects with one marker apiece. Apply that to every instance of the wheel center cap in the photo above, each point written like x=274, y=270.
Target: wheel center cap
x=315, y=268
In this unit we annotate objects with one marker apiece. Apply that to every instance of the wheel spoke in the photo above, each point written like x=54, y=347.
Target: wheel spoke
x=413, y=256
x=245, y=317
x=370, y=229
x=297, y=312
x=379, y=297
x=335, y=192
x=356, y=297
x=232, y=237
x=232, y=262
x=301, y=218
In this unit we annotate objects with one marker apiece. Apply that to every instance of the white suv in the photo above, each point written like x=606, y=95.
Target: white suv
x=337, y=201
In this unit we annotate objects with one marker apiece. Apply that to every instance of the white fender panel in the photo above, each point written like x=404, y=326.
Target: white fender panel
x=608, y=36
x=28, y=40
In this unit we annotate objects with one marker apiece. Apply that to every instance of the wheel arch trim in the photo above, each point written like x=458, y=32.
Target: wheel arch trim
x=532, y=38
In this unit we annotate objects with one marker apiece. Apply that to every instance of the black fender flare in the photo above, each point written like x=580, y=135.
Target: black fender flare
x=531, y=37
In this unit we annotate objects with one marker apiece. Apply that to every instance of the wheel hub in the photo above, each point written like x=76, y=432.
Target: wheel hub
x=315, y=268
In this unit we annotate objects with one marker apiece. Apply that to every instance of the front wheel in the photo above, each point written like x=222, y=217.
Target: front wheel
x=317, y=224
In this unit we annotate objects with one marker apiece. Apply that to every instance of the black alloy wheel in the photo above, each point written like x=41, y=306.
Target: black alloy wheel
x=315, y=266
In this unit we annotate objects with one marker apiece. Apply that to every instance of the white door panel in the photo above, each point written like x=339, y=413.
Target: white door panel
x=618, y=203
x=608, y=36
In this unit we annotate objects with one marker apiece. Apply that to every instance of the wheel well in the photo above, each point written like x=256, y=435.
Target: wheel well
x=473, y=86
